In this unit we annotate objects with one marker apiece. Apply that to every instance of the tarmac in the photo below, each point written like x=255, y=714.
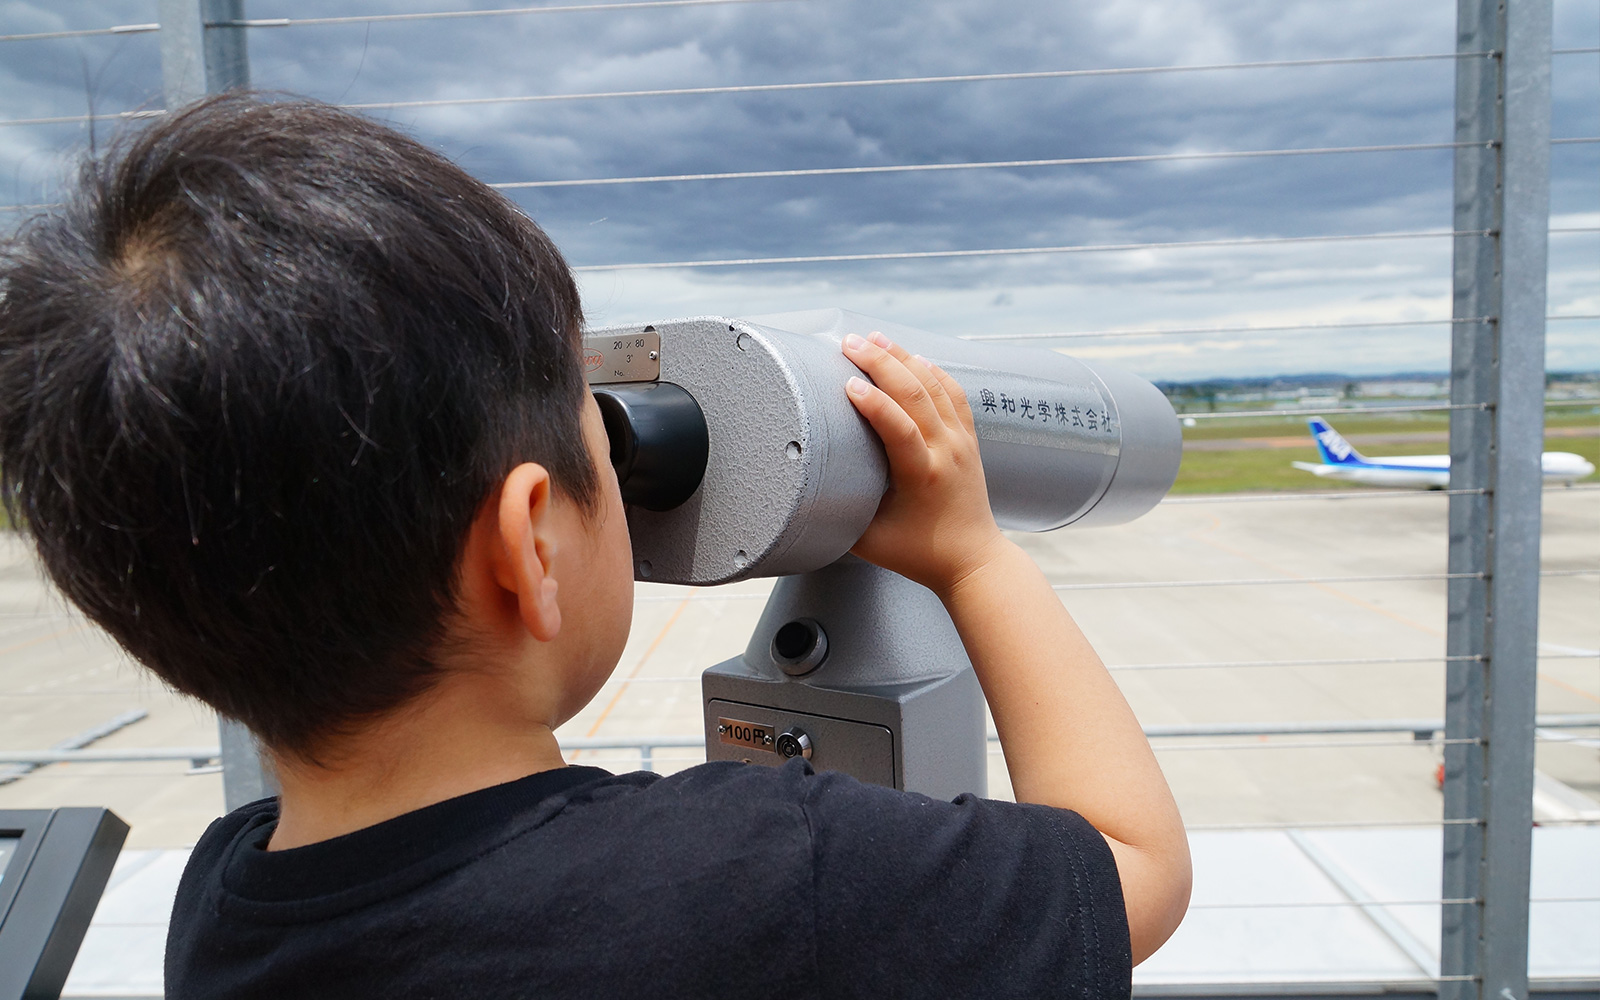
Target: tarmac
x=1195, y=607
x=61, y=678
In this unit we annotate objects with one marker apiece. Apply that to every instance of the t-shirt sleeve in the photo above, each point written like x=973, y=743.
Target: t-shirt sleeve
x=973, y=898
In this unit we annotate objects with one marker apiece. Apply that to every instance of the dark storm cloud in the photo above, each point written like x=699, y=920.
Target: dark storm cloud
x=831, y=40
x=825, y=40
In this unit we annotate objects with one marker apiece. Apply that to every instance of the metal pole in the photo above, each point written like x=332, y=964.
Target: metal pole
x=199, y=57
x=226, y=55
x=202, y=51
x=1501, y=185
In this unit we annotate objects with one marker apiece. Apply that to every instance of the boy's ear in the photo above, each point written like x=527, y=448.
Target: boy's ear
x=528, y=535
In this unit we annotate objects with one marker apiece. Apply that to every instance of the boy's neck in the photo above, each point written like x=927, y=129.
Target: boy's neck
x=459, y=737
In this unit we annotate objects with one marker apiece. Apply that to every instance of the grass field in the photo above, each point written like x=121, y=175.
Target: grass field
x=1349, y=424
x=1269, y=468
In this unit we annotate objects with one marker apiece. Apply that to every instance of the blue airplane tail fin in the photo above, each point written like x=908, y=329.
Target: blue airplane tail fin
x=1334, y=448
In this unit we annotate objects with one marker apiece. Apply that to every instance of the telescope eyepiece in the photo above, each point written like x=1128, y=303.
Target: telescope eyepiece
x=659, y=442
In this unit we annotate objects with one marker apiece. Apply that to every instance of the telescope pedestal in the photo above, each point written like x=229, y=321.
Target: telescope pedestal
x=860, y=670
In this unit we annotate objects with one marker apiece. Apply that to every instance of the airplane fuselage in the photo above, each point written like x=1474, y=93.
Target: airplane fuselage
x=1341, y=461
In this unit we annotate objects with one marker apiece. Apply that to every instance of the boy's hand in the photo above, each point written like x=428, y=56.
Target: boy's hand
x=934, y=525
x=1070, y=739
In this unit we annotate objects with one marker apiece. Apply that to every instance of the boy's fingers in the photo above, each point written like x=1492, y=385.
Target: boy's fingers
x=937, y=388
x=958, y=398
x=893, y=377
x=901, y=437
x=918, y=366
x=944, y=412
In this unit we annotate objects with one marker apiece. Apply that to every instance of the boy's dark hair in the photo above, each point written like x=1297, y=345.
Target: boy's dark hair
x=257, y=379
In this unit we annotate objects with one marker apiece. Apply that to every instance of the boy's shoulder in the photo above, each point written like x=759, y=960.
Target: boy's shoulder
x=719, y=880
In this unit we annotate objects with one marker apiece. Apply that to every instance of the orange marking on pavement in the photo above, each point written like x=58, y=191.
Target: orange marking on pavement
x=671, y=621
x=36, y=641
x=1563, y=685
x=1216, y=523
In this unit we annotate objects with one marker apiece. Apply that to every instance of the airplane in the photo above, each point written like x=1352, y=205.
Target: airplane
x=1340, y=460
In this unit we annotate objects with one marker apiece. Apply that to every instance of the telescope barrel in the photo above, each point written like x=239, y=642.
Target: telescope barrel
x=793, y=474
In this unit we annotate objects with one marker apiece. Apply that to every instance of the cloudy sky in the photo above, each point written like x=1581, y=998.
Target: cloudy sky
x=804, y=41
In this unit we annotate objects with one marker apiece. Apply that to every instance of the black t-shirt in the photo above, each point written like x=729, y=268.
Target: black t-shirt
x=725, y=880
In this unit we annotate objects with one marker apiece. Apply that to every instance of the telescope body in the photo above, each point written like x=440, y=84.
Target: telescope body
x=740, y=455
x=794, y=474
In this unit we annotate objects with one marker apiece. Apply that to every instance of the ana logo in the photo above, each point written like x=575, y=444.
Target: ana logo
x=592, y=360
x=1334, y=443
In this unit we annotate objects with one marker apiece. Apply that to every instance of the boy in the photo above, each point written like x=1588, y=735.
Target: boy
x=292, y=408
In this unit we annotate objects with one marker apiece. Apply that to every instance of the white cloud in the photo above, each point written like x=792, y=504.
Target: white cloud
x=845, y=39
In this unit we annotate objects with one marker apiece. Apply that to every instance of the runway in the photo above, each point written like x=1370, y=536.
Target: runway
x=60, y=677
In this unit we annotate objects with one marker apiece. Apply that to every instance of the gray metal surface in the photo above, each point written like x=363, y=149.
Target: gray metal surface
x=195, y=59
x=861, y=749
x=622, y=359
x=895, y=665
x=50, y=889
x=1106, y=451
x=1501, y=185
x=796, y=474
x=245, y=776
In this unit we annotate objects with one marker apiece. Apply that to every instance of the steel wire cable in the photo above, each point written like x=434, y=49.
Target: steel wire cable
x=1267, y=582
x=80, y=119
x=1315, y=410
x=1266, y=744
x=1351, y=494
x=1298, y=745
x=116, y=29
x=1285, y=328
x=1162, y=584
x=1335, y=824
x=1364, y=903
x=1262, y=582
x=1287, y=664
x=1202, y=330
x=1054, y=74
x=288, y=22
x=1070, y=161
x=1241, y=241
x=706, y=597
x=1359, y=661
x=453, y=15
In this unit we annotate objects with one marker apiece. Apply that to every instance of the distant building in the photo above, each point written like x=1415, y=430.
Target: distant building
x=1411, y=389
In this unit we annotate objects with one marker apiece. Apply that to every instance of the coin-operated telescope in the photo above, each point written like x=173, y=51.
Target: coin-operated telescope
x=740, y=455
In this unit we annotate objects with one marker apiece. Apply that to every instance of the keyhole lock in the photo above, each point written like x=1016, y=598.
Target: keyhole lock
x=794, y=743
